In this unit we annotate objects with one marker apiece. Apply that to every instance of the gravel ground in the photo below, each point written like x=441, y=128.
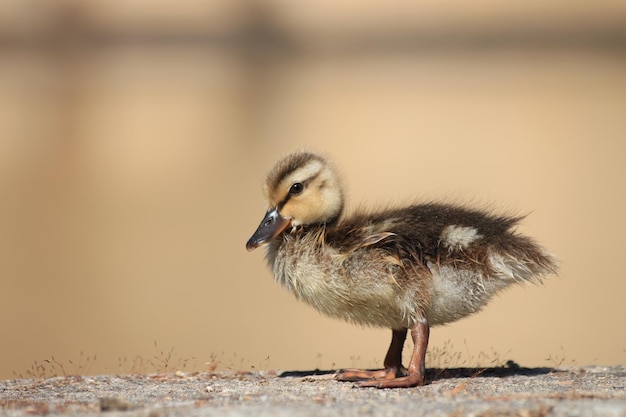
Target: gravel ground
x=506, y=391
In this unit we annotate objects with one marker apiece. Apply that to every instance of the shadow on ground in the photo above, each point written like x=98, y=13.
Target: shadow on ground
x=433, y=374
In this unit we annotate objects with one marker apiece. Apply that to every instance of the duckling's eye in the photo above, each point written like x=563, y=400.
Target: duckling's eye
x=296, y=188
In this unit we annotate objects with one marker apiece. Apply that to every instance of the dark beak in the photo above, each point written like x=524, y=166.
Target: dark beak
x=271, y=226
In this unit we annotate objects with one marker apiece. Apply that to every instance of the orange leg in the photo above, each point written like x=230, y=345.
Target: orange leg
x=392, y=364
x=417, y=366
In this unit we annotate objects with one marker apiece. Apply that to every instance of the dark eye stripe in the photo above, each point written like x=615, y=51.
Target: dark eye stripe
x=290, y=194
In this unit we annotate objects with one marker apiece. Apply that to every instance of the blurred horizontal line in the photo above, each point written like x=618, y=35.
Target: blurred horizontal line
x=272, y=41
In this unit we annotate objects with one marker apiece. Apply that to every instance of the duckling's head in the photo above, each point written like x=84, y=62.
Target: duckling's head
x=302, y=189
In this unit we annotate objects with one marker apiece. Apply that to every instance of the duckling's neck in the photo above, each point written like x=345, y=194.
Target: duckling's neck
x=288, y=253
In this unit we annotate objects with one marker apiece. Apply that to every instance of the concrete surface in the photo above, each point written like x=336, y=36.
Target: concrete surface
x=502, y=391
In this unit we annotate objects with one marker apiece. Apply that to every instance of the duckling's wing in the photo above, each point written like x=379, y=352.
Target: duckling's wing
x=446, y=234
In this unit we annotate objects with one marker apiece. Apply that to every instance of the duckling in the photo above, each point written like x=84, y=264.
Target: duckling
x=400, y=268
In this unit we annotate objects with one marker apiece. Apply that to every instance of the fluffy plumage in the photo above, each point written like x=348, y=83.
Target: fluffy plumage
x=402, y=268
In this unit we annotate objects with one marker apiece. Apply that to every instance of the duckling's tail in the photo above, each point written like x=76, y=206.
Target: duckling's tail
x=522, y=260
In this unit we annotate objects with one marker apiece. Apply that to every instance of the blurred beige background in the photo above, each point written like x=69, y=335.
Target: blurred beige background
x=135, y=136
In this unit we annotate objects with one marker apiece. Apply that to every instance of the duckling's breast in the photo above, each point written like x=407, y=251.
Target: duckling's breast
x=363, y=287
